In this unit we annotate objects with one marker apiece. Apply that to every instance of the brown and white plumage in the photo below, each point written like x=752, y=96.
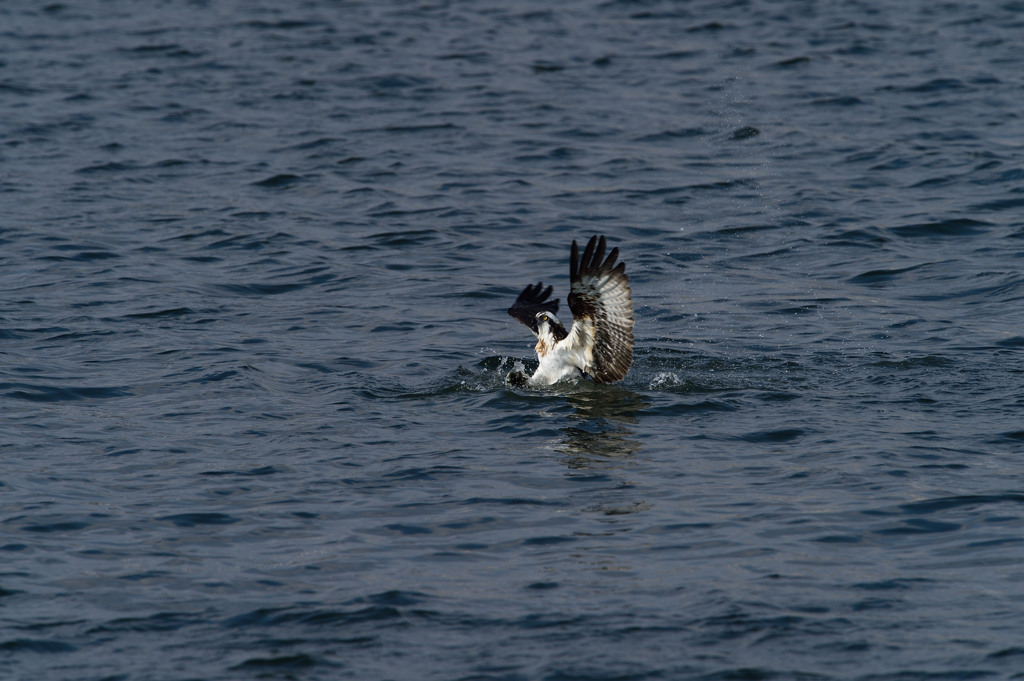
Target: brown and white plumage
x=600, y=342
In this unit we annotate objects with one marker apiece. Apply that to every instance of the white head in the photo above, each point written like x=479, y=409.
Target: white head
x=547, y=324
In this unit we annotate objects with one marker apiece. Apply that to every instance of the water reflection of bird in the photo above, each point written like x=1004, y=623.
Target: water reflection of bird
x=601, y=436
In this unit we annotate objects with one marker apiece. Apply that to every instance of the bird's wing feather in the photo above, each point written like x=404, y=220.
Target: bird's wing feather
x=602, y=311
x=532, y=300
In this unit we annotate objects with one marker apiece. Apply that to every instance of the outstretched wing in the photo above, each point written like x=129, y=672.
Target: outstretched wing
x=532, y=300
x=602, y=311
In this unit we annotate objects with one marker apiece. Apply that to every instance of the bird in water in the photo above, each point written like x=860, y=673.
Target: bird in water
x=600, y=343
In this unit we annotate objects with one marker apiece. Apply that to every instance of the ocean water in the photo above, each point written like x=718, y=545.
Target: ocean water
x=255, y=259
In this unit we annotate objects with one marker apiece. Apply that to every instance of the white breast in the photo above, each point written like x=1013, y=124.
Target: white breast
x=558, y=361
x=555, y=366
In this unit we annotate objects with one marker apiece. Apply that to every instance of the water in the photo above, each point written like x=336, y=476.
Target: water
x=256, y=259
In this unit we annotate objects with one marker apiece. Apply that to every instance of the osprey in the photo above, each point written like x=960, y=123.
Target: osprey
x=600, y=342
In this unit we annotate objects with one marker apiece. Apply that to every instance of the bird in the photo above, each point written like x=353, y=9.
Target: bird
x=599, y=345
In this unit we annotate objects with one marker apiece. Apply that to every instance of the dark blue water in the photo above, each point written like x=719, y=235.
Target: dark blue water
x=255, y=259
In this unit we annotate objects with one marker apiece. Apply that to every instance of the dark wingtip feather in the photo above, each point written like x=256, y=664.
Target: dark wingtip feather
x=593, y=258
x=599, y=253
x=610, y=262
x=534, y=294
x=588, y=254
x=532, y=300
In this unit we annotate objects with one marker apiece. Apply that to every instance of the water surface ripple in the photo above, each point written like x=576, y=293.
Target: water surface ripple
x=256, y=257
